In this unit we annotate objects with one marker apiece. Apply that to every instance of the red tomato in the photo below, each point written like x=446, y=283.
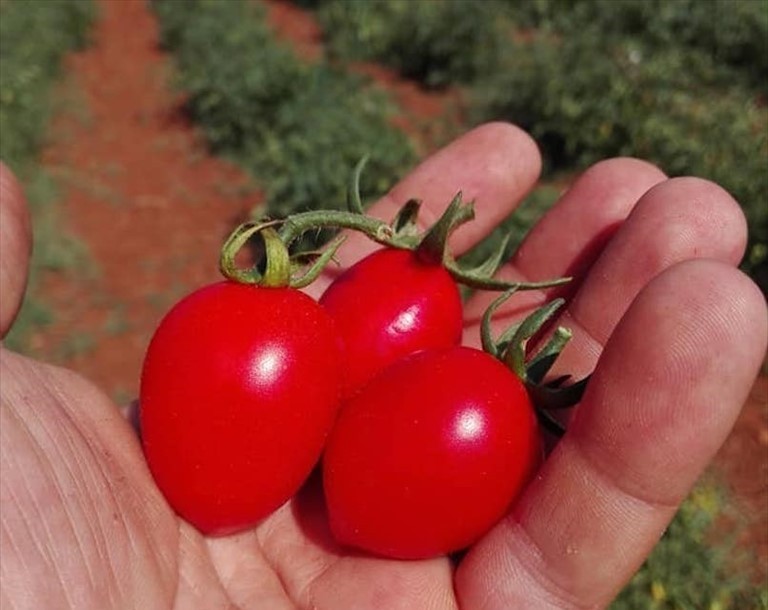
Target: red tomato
x=429, y=455
x=239, y=390
x=391, y=304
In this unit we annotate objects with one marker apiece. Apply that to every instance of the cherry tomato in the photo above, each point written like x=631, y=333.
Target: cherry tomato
x=429, y=455
x=391, y=304
x=239, y=390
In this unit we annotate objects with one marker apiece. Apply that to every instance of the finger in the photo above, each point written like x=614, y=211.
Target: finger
x=678, y=219
x=15, y=248
x=571, y=235
x=495, y=164
x=663, y=398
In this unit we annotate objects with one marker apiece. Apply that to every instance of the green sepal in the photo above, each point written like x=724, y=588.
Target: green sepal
x=538, y=366
x=279, y=266
x=484, y=282
x=502, y=343
x=317, y=267
x=354, y=202
x=434, y=245
x=549, y=398
x=514, y=356
x=490, y=265
x=490, y=345
x=510, y=348
x=552, y=394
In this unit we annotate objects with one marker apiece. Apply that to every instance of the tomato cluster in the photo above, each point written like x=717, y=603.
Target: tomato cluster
x=425, y=443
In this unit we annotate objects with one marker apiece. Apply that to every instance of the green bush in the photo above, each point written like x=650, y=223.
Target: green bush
x=731, y=32
x=584, y=98
x=686, y=572
x=235, y=86
x=298, y=127
x=326, y=129
x=33, y=39
x=437, y=42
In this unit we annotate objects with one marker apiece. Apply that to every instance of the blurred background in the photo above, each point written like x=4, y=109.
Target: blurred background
x=143, y=132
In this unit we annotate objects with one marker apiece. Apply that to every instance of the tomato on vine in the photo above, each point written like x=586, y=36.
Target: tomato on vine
x=430, y=455
x=433, y=452
x=239, y=389
x=404, y=297
x=243, y=379
x=390, y=304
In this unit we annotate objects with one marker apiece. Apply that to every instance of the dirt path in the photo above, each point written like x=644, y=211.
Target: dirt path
x=142, y=194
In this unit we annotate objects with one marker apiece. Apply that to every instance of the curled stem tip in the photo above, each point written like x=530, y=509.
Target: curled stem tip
x=277, y=269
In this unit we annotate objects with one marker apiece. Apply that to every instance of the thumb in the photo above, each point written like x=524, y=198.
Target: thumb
x=15, y=247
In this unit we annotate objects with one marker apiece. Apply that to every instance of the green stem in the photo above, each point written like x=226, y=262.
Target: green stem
x=354, y=202
x=278, y=266
x=514, y=357
x=377, y=230
x=483, y=282
x=316, y=268
x=383, y=233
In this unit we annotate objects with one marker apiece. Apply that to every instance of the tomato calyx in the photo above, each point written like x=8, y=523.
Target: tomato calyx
x=532, y=369
x=280, y=267
x=433, y=247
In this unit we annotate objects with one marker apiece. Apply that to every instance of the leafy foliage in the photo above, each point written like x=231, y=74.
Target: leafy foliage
x=29, y=65
x=437, y=42
x=730, y=32
x=236, y=87
x=585, y=97
x=298, y=127
x=34, y=36
x=686, y=572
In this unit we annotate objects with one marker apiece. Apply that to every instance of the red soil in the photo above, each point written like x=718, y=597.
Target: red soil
x=141, y=192
x=743, y=464
x=153, y=207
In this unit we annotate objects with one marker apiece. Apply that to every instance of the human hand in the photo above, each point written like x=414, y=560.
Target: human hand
x=675, y=341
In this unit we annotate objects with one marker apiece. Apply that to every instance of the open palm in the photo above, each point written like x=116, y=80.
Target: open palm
x=673, y=331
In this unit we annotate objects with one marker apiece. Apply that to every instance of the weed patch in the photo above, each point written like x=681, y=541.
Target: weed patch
x=34, y=36
x=298, y=128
